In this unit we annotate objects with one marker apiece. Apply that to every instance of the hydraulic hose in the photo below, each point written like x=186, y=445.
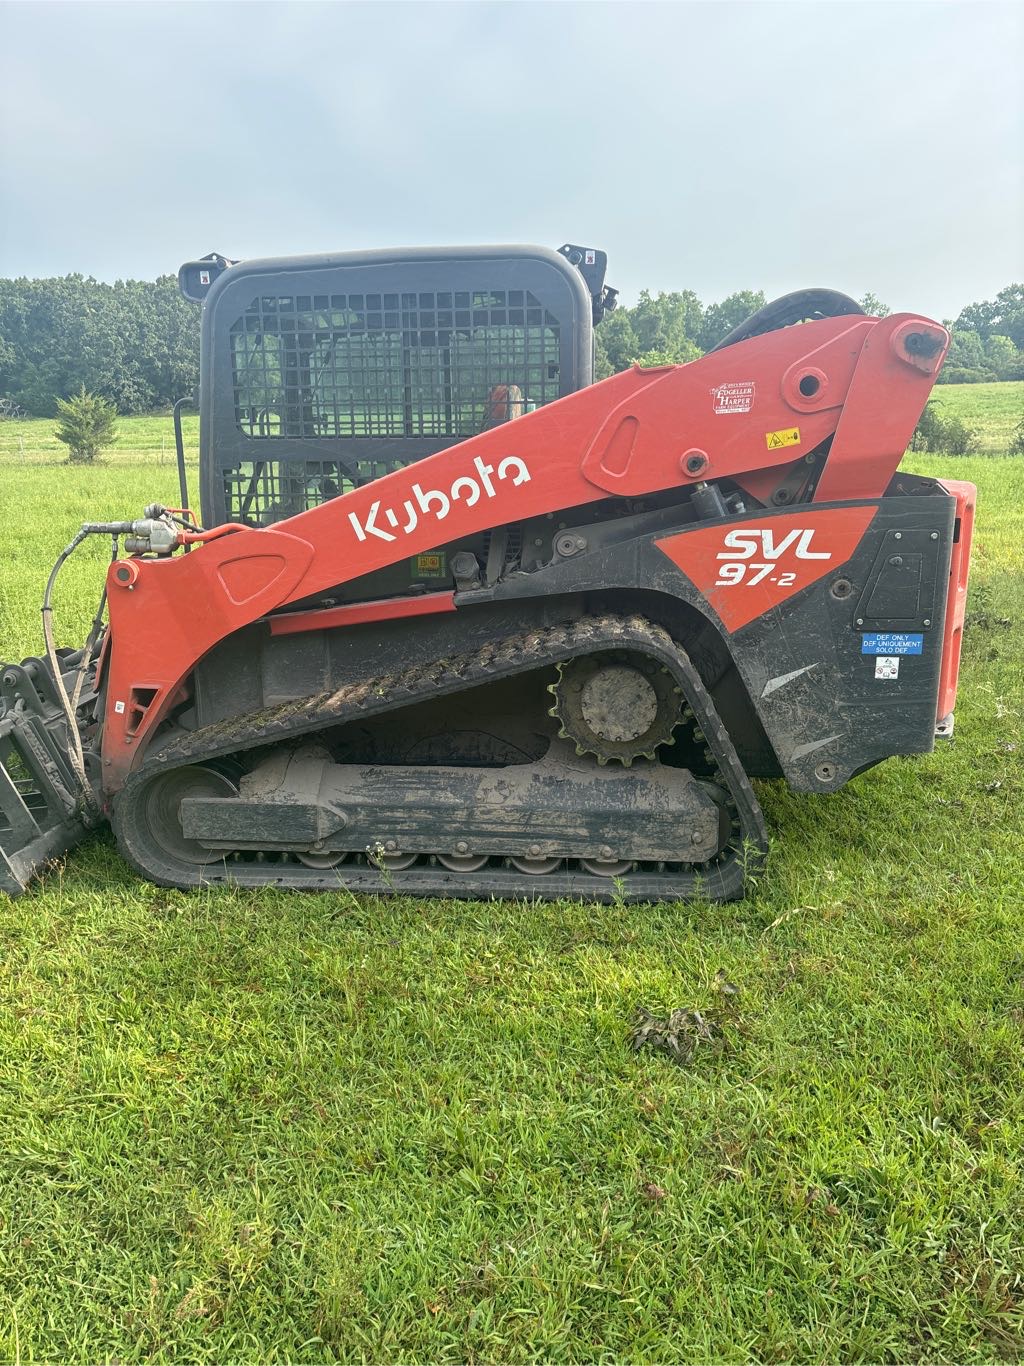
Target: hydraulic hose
x=75, y=752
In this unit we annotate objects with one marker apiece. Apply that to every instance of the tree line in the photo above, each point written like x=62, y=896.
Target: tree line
x=135, y=343
x=987, y=338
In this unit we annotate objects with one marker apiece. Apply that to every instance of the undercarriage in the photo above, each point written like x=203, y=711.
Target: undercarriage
x=380, y=785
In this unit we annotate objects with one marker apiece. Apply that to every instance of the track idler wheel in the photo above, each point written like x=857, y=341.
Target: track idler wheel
x=162, y=810
x=616, y=706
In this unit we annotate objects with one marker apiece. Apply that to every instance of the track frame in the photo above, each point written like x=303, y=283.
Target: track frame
x=718, y=879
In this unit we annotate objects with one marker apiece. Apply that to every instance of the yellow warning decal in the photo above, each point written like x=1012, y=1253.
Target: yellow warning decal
x=789, y=436
x=429, y=566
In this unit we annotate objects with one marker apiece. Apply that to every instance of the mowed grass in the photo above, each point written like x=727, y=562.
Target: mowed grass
x=992, y=410
x=146, y=439
x=309, y=1127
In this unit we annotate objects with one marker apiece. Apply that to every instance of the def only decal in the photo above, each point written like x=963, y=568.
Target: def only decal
x=889, y=647
x=892, y=643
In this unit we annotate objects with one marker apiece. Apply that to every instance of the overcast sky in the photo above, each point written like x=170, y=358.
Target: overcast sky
x=713, y=146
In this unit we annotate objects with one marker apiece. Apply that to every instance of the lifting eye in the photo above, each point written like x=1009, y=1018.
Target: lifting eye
x=809, y=385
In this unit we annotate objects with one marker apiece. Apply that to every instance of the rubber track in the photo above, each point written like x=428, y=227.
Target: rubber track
x=722, y=879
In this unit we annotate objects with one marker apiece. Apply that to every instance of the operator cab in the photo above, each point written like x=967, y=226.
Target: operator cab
x=322, y=373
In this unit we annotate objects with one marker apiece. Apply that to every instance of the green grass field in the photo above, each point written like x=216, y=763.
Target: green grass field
x=148, y=439
x=267, y=1127
x=993, y=410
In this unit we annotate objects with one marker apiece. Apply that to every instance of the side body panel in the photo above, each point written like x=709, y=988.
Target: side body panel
x=817, y=666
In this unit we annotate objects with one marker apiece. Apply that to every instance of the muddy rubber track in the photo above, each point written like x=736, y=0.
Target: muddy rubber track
x=721, y=879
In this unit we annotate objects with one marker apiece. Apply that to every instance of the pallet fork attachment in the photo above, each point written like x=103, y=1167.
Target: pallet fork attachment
x=42, y=811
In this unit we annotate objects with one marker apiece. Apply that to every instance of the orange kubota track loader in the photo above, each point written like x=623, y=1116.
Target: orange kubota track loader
x=459, y=621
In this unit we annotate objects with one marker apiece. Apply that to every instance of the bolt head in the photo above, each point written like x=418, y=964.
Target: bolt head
x=462, y=847
x=860, y=621
x=534, y=851
x=927, y=621
x=606, y=852
x=899, y=536
x=935, y=535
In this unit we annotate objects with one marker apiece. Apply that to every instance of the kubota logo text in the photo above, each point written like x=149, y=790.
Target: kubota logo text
x=437, y=503
x=745, y=544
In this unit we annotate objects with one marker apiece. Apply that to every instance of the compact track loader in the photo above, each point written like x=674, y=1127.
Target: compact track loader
x=458, y=620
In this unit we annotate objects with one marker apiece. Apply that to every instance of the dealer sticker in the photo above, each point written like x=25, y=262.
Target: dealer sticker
x=734, y=398
x=891, y=643
x=887, y=666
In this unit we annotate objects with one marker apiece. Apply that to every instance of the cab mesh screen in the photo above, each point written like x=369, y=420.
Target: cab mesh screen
x=261, y=492
x=388, y=365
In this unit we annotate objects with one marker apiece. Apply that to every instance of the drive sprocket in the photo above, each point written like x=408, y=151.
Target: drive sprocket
x=616, y=705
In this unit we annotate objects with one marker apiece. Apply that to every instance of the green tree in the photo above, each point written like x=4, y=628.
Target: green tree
x=88, y=424
x=135, y=342
x=720, y=319
x=663, y=326
x=1001, y=356
x=616, y=344
x=873, y=306
x=948, y=435
x=656, y=357
x=966, y=351
x=668, y=323
x=1003, y=315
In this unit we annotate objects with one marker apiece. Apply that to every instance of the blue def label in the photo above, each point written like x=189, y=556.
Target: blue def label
x=891, y=643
